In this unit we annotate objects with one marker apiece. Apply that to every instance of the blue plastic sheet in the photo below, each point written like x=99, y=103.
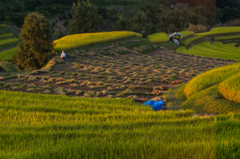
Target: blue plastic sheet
x=155, y=105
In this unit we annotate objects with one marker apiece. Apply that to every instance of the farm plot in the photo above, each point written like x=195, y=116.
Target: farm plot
x=134, y=75
x=54, y=126
x=76, y=41
x=214, y=50
x=8, y=43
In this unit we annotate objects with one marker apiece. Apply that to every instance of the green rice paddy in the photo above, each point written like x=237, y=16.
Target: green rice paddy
x=7, y=55
x=158, y=38
x=214, y=50
x=55, y=126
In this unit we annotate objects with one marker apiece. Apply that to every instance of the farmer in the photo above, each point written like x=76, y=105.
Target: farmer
x=63, y=56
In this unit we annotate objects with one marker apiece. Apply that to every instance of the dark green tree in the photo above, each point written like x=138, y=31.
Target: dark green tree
x=85, y=18
x=172, y=21
x=36, y=47
x=199, y=11
x=121, y=24
x=140, y=22
x=112, y=14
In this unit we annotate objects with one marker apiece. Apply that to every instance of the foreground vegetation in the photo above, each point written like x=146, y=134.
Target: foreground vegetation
x=54, y=126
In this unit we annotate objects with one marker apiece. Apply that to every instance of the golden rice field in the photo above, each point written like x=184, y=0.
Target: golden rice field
x=56, y=126
x=214, y=50
x=76, y=41
x=230, y=88
x=215, y=91
x=212, y=32
x=157, y=38
x=210, y=78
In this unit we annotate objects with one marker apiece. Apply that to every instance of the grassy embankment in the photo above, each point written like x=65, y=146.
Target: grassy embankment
x=77, y=41
x=54, y=126
x=214, y=50
x=212, y=32
x=209, y=92
x=8, y=42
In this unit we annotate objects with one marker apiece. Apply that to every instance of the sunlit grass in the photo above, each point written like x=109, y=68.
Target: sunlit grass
x=76, y=41
x=158, y=38
x=210, y=78
x=54, y=126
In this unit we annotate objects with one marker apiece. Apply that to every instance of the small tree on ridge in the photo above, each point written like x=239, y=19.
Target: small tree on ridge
x=37, y=45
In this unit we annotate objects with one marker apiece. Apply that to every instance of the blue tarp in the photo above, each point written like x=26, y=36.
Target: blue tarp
x=155, y=105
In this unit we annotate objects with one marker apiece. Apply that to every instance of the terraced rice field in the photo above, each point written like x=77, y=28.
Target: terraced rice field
x=8, y=43
x=158, y=38
x=213, y=32
x=133, y=75
x=214, y=50
x=215, y=91
x=75, y=41
x=55, y=126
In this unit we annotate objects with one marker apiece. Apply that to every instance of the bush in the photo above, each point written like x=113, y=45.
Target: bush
x=140, y=22
x=65, y=24
x=37, y=45
x=197, y=28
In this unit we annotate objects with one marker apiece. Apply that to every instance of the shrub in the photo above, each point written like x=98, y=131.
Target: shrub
x=197, y=28
x=34, y=52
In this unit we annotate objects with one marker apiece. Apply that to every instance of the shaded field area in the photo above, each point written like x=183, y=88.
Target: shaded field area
x=133, y=75
x=56, y=126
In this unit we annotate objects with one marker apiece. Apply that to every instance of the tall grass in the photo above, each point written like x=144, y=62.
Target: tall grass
x=54, y=126
x=76, y=41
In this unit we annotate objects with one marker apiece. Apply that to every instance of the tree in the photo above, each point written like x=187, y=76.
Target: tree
x=37, y=45
x=112, y=14
x=173, y=21
x=121, y=24
x=140, y=22
x=199, y=11
x=85, y=18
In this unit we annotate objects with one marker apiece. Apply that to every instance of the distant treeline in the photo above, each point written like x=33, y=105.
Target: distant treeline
x=21, y=5
x=226, y=10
